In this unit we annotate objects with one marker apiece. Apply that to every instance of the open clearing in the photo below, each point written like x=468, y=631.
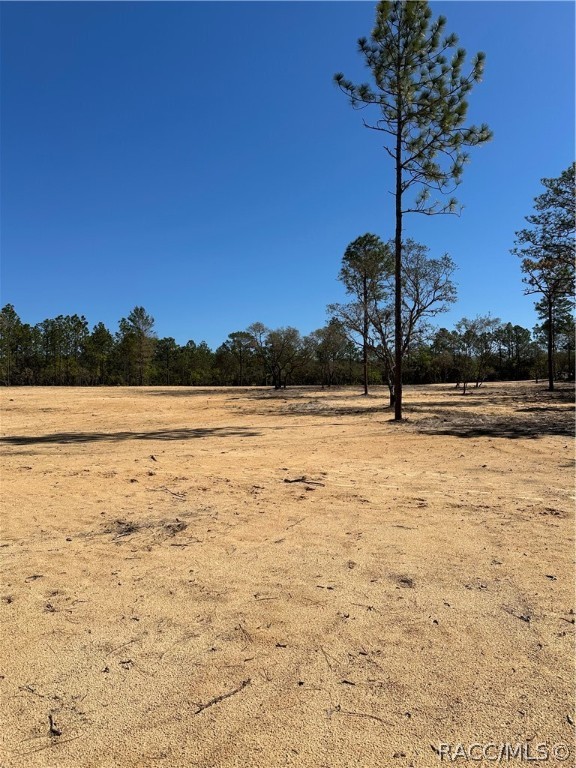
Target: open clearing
x=202, y=578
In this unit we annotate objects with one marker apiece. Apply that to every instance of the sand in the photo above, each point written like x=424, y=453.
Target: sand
x=209, y=578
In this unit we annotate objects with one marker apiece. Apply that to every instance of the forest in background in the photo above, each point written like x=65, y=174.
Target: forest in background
x=64, y=351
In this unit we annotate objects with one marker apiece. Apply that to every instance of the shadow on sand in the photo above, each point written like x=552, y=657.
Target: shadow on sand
x=529, y=414
x=559, y=423
x=163, y=434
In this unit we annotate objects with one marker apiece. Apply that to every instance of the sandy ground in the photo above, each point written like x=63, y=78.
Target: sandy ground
x=201, y=578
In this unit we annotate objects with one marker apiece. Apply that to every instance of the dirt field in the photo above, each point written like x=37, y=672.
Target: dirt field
x=198, y=578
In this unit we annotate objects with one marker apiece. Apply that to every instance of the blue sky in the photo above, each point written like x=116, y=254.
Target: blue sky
x=196, y=159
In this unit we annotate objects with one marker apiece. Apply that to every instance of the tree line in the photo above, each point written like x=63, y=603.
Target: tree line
x=65, y=351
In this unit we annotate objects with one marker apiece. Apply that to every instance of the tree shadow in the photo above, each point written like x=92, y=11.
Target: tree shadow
x=291, y=393
x=561, y=424
x=314, y=408
x=179, y=391
x=541, y=409
x=540, y=412
x=533, y=413
x=457, y=402
x=235, y=393
x=162, y=434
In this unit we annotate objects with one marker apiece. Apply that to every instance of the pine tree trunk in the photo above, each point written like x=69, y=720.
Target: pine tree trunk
x=365, y=335
x=398, y=283
x=550, y=347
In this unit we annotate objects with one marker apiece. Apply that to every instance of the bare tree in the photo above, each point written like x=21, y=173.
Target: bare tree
x=427, y=290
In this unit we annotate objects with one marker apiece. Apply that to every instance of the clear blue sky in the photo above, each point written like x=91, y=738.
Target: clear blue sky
x=196, y=159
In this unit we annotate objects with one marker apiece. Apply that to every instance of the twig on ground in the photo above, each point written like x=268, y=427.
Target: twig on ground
x=303, y=479
x=29, y=689
x=328, y=658
x=51, y=744
x=118, y=648
x=364, y=714
x=296, y=523
x=181, y=496
x=245, y=633
x=218, y=699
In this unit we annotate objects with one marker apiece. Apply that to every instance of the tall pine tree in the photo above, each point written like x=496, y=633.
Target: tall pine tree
x=420, y=92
